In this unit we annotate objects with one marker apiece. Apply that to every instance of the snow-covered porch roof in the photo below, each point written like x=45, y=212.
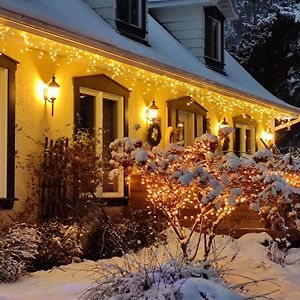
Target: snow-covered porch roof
x=75, y=23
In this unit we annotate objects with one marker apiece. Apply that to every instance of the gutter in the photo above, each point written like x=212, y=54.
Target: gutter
x=49, y=31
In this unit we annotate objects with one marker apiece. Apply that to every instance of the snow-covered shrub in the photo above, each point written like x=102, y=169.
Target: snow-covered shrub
x=114, y=237
x=59, y=244
x=172, y=280
x=18, y=247
x=194, y=185
x=277, y=250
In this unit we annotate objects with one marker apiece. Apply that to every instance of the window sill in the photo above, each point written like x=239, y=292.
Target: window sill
x=215, y=65
x=7, y=203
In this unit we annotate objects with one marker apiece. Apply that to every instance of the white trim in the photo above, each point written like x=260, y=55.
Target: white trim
x=243, y=129
x=3, y=131
x=120, y=130
x=98, y=117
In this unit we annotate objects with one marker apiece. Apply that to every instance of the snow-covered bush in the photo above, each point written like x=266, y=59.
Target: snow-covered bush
x=172, y=280
x=197, y=187
x=114, y=237
x=59, y=244
x=277, y=250
x=18, y=247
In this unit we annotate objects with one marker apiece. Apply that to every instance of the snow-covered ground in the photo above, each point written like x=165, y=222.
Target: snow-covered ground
x=244, y=259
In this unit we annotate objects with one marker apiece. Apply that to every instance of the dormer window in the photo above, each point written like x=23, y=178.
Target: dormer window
x=131, y=18
x=214, y=39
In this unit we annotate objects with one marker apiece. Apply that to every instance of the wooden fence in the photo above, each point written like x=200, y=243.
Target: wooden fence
x=53, y=183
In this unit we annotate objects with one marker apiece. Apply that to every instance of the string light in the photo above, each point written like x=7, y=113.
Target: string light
x=129, y=76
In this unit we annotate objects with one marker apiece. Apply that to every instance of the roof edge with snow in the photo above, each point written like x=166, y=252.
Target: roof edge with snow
x=110, y=50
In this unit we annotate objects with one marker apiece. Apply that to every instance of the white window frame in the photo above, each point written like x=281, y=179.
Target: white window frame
x=188, y=126
x=3, y=131
x=243, y=128
x=98, y=117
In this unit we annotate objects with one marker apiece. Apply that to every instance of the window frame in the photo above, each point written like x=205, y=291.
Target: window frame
x=212, y=14
x=9, y=64
x=178, y=105
x=98, y=122
x=99, y=86
x=135, y=32
x=245, y=123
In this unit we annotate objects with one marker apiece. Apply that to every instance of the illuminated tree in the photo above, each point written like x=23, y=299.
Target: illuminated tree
x=195, y=187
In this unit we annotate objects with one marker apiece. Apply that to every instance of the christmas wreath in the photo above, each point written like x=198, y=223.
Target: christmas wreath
x=154, y=134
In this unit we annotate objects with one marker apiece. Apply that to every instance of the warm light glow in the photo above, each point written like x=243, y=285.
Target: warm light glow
x=153, y=110
x=40, y=89
x=129, y=76
x=51, y=92
x=267, y=136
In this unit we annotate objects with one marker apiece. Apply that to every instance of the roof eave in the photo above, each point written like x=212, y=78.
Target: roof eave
x=43, y=29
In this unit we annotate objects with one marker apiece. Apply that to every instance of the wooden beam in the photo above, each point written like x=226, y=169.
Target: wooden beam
x=288, y=124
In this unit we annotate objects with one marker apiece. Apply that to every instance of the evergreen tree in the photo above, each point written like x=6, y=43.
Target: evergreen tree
x=266, y=42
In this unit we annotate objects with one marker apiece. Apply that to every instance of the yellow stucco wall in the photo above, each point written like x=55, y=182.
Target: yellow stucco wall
x=33, y=115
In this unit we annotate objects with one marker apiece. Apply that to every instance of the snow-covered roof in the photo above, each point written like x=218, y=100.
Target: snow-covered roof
x=76, y=20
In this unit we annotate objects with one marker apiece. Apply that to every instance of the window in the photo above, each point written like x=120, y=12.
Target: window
x=245, y=135
x=214, y=39
x=131, y=18
x=7, y=131
x=188, y=120
x=101, y=103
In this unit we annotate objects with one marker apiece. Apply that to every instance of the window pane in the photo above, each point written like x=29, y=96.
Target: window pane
x=134, y=12
x=216, y=33
x=87, y=112
x=237, y=141
x=110, y=126
x=248, y=141
x=123, y=10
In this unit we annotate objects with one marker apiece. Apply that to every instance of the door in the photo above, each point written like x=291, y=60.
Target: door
x=102, y=115
x=187, y=127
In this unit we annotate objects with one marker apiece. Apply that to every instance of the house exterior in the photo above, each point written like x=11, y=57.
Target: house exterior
x=110, y=59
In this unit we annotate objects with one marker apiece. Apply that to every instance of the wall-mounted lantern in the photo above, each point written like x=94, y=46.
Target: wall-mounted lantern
x=224, y=123
x=51, y=92
x=152, y=112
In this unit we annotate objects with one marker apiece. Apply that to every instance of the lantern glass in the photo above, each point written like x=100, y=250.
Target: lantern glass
x=53, y=89
x=153, y=110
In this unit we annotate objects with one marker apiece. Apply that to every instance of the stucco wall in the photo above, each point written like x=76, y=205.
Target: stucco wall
x=33, y=115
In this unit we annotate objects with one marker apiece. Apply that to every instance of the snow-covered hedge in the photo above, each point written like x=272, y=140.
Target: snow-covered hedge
x=18, y=247
x=172, y=280
x=198, y=186
x=59, y=244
